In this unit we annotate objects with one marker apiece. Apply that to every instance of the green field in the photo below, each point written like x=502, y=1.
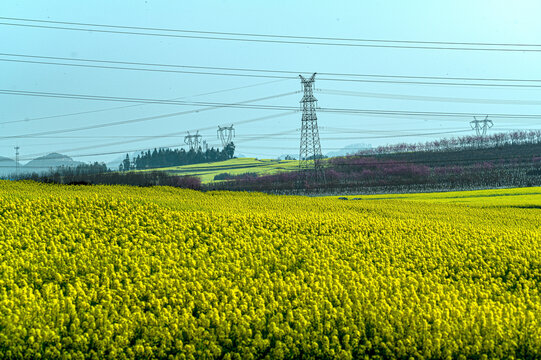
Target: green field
x=514, y=197
x=207, y=171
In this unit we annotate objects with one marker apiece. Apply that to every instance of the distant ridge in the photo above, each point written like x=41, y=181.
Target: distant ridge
x=349, y=150
x=7, y=166
x=50, y=161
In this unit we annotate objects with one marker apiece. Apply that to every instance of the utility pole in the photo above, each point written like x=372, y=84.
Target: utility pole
x=226, y=134
x=310, y=147
x=193, y=141
x=481, y=126
x=17, y=161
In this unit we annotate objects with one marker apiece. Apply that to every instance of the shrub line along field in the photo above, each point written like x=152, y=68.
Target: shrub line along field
x=104, y=272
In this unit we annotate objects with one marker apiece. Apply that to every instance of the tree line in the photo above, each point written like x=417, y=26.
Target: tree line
x=508, y=159
x=99, y=174
x=519, y=137
x=165, y=157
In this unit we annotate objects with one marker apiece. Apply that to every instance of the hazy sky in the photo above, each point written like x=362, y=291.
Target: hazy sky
x=25, y=119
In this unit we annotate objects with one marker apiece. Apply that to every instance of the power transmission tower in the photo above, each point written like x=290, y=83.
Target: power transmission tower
x=226, y=134
x=310, y=147
x=481, y=126
x=17, y=161
x=193, y=141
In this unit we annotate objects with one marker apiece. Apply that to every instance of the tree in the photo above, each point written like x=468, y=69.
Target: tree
x=165, y=157
x=126, y=163
x=229, y=150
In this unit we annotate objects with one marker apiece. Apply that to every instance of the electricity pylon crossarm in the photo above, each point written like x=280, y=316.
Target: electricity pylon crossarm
x=193, y=141
x=481, y=126
x=225, y=134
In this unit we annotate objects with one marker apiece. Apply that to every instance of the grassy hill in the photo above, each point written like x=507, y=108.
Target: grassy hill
x=517, y=165
x=207, y=171
x=507, y=165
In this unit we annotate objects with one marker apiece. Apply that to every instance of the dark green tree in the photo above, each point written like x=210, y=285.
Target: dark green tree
x=126, y=163
x=229, y=150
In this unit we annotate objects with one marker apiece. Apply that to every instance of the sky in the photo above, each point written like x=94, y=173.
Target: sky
x=85, y=129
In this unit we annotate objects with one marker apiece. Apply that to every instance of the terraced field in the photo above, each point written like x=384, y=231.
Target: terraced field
x=207, y=171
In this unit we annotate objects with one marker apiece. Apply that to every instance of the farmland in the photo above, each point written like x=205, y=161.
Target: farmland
x=518, y=197
x=123, y=272
x=237, y=166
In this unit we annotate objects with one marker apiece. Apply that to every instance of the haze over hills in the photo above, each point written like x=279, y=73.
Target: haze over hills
x=349, y=150
x=39, y=165
x=50, y=161
x=7, y=166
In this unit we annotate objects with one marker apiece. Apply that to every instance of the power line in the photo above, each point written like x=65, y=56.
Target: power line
x=146, y=69
x=323, y=129
x=340, y=130
x=179, y=133
x=288, y=72
x=150, y=64
x=135, y=105
x=123, y=122
x=241, y=142
x=423, y=113
x=277, y=39
x=425, y=118
x=241, y=139
x=374, y=137
x=427, y=98
x=268, y=35
x=146, y=100
x=246, y=137
x=244, y=105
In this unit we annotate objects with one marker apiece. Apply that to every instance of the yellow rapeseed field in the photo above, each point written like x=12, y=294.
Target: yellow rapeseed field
x=118, y=272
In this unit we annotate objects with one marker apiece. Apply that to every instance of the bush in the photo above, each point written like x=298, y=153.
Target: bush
x=150, y=178
x=223, y=176
x=228, y=176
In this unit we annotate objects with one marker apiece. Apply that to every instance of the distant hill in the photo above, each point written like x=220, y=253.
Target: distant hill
x=442, y=168
x=7, y=166
x=349, y=150
x=50, y=161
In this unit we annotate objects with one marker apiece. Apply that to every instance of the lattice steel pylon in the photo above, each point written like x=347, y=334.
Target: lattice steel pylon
x=226, y=134
x=481, y=126
x=193, y=141
x=310, y=147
